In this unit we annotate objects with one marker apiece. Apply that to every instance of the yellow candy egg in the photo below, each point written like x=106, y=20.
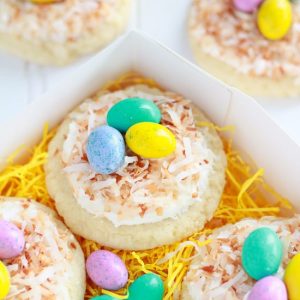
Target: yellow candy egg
x=150, y=140
x=274, y=18
x=292, y=278
x=4, y=281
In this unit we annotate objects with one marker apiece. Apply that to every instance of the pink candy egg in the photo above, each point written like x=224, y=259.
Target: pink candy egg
x=12, y=240
x=247, y=6
x=268, y=288
x=107, y=270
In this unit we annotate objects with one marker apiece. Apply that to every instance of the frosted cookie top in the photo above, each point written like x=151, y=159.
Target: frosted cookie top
x=144, y=190
x=42, y=271
x=217, y=272
x=232, y=37
x=61, y=22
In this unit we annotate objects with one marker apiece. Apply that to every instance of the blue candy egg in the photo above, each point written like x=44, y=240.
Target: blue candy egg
x=105, y=150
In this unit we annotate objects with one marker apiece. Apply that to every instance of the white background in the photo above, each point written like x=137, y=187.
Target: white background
x=165, y=20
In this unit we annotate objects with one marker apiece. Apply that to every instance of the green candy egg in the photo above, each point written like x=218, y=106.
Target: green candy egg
x=262, y=253
x=131, y=111
x=147, y=287
x=103, y=297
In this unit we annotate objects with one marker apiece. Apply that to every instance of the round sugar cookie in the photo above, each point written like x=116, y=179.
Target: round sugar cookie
x=228, y=44
x=148, y=202
x=52, y=265
x=58, y=33
x=217, y=273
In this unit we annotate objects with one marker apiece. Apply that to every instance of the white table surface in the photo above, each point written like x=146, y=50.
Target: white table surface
x=165, y=20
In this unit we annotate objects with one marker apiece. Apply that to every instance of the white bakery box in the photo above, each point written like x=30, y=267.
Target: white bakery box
x=255, y=133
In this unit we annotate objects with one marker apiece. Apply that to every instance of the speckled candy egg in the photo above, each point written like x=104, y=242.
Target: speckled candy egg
x=105, y=150
x=268, y=288
x=150, y=140
x=262, y=253
x=247, y=6
x=12, y=240
x=292, y=278
x=107, y=270
x=147, y=287
x=274, y=18
x=131, y=111
x=4, y=281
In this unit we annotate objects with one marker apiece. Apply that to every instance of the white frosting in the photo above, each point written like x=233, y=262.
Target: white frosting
x=143, y=191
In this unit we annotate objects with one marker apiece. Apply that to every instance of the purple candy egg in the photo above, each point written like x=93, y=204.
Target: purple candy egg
x=12, y=240
x=268, y=288
x=247, y=6
x=107, y=270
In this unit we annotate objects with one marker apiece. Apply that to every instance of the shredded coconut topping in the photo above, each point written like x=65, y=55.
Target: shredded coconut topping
x=217, y=272
x=144, y=190
x=233, y=38
x=59, y=22
x=41, y=271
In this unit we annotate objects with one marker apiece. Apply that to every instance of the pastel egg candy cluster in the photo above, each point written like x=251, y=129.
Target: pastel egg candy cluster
x=12, y=243
x=139, y=120
x=262, y=255
x=107, y=270
x=274, y=17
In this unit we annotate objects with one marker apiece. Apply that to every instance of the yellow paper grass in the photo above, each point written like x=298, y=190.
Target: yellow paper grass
x=246, y=194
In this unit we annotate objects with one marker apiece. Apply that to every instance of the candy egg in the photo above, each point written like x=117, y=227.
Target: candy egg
x=103, y=297
x=274, y=18
x=4, y=281
x=107, y=270
x=147, y=287
x=131, y=111
x=261, y=253
x=105, y=150
x=292, y=278
x=247, y=6
x=268, y=288
x=12, y=240
x=150, y=140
